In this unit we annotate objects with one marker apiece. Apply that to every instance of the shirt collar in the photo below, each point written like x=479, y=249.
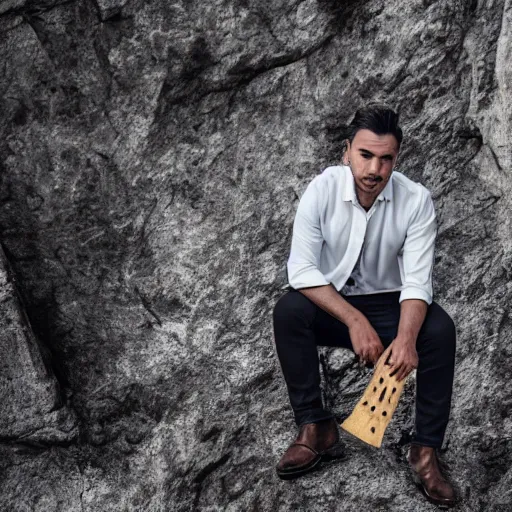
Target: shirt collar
x=349, y=190
x=387, y=192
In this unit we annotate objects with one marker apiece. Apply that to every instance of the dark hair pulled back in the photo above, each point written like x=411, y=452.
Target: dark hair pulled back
x=379, y=119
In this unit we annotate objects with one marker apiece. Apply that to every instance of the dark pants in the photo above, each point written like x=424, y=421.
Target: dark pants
x=300, y=325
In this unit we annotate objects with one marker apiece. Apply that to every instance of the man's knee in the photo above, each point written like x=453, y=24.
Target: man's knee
x=293, y=304
x=440, y=328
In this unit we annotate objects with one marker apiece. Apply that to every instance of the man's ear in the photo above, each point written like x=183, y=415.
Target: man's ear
x=345, y=159
x=396, y=159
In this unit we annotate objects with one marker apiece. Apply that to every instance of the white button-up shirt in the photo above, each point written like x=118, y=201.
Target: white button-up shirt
x=388, y=248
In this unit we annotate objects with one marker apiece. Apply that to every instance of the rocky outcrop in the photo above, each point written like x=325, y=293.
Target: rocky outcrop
x=152, y=155
x=32, y=410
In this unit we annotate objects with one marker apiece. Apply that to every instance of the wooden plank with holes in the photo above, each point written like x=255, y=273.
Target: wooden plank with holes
x=373, y=412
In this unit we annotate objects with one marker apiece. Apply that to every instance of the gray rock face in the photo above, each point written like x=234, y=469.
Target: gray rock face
x=152, y=155
x=31, y=409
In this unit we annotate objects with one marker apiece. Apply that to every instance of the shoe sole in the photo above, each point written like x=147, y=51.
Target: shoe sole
x=440, y=504
x=335, y=452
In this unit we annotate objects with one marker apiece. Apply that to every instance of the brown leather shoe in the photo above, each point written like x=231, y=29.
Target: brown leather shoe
x=427, y=474
x=315, y=442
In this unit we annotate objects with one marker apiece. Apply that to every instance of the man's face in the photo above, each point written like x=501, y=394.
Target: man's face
x=371, y=158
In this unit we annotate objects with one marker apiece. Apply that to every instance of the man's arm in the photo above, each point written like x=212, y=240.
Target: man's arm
x=404, y=356
x=305, y=276
x=365, y=340
x=307, y=240
x=416, y=296
x=418, y=251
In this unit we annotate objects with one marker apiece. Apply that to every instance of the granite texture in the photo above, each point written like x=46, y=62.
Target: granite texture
x=152, y=155
x=32, y=409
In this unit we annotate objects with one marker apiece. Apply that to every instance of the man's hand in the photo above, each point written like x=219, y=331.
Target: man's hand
x=365, y=340
x=404, y=358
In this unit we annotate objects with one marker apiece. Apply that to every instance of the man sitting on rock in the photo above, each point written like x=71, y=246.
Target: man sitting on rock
x=360, y=271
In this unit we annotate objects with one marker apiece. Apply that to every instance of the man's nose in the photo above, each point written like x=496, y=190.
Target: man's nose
x=375, y=165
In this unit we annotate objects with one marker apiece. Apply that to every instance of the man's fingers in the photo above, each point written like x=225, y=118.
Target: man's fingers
x=369, y=355
x=377, y=351
x=403, y=374
x=388, y=354
x=396, y=368
x=363, y=357
x=406, y=370
x=369, y=350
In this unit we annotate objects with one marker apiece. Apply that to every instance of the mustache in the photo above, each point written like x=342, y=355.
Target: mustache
x=377, y=179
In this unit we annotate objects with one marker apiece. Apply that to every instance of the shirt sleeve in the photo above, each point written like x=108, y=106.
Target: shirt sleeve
x=304, y=260
x=418, y=252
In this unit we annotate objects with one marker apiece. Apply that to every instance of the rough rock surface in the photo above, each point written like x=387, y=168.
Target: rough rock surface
x=31, y=409
x=152, y=155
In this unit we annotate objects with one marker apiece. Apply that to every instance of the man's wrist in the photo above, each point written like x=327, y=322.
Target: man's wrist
x=405, y=339
x=412, y=316
x=355, y=318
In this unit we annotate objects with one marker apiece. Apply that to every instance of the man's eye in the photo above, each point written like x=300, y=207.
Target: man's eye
x=366, y=156
x=388, y=158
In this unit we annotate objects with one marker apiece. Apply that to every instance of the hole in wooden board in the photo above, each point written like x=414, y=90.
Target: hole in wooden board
x=383, y=394
x=372, y=408
x=384, y=413
x=381, y=380
x=375, y=389
x=365, y=402
x=373, y=430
